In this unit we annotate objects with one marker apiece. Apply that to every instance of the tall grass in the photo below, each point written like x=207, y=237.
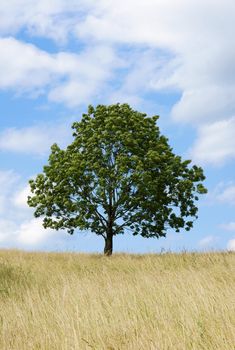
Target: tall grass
x=78, y=301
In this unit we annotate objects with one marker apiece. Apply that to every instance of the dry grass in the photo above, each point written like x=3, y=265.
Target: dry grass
x=68, y=301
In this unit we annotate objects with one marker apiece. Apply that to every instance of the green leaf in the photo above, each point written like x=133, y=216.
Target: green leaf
x=119, y=172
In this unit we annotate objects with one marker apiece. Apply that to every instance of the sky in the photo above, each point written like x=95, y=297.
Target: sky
x=175, y=59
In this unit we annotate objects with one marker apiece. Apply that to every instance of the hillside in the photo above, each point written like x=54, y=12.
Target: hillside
x=77, y=301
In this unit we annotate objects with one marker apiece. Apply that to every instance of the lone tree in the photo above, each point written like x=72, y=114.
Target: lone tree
x=119, y=173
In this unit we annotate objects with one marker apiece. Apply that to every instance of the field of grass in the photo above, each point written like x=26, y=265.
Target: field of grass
x=76, y=301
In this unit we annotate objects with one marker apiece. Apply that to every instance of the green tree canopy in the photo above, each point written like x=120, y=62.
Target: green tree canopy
x=118, y=173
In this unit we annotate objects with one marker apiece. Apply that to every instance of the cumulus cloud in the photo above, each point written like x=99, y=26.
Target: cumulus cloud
x=204, y=104
x=223, y=193
x=208, y=241
x=28, y=234
x=229, y=227
x=18, y=228
x=184, y=47
x=7, y=232
x=231, y=245
x=66, y=77
x=215, y=142
x=227, y=195
x=52, y=19
x=8, y=179
x=89, y=78
x=195, y=34
x=33, y=68
x=32, y=233
x=198, y=37
x=13, y=197
x=35, y=140
x=20, y=198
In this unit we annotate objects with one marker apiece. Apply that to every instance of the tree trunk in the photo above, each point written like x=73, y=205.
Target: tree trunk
x=108, y=248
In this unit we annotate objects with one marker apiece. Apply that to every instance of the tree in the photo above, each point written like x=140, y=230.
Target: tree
x=118, y=174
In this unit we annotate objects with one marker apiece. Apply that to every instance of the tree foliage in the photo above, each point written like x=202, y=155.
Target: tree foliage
x=118, y=173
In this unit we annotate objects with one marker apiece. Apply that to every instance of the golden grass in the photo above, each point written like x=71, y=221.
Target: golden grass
x=78, y=301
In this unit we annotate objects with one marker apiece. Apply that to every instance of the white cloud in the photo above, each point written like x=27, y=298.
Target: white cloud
x=18, y=229
x=215, y=142
x=198, y=36
x=143, y=70
x=223, y=193
x=195, y=36
x=32, y=233
x=228, y=227
x=33, y=68
x=67, y=77
x=89, y=78
x=8, y=179
x=227, y=194
x=208, y=241
x=7, y=232
x=12, y=198
x=231, y=245
x=20, y=197
x=34, y=139
x=52, y=19
x=204, y=103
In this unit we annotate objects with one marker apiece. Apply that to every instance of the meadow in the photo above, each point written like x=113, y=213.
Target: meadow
x=79, y=301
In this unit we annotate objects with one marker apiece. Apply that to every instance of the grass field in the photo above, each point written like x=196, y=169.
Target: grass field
x=78, y=301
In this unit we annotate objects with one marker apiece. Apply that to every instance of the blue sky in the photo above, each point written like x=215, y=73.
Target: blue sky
x=175, y=59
